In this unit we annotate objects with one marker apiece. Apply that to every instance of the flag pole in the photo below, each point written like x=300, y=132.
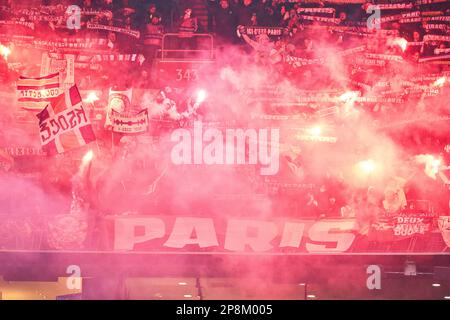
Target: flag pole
x=112, y=141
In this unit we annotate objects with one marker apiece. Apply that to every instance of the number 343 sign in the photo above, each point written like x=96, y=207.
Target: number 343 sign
x=180, y=72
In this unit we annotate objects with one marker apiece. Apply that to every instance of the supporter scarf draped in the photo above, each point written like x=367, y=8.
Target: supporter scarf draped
x=76, y=43
x=321, y=19
x=270, y=31
x=29, y=25
x=133, y=33
x=317, y=10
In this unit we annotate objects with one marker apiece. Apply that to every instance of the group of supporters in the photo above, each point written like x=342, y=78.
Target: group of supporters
x=296, y=40
x=304, y=29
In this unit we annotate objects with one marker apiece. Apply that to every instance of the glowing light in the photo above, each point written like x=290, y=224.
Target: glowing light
x=440, y=82
x=88, y=157
x=188, y=296
x=432, y=164
x=447, y=297
x=349, y=95
x=435, y=164
x=401, y=42
x=182, y=283
x=311, y=296
x=92, y=97
x=436, y=284
x=315, y=131
x=201, y=96
x=367, y=166
x=4, y=51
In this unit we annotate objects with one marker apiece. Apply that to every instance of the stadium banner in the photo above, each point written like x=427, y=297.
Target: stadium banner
x=394, y=6
x=63, y=124
x=133, y=33
x=64, y=65
x=388, y=57
x=296, y=62
x=411, y=20
x=317, y=10
x=435, y=37
x=129, y=123
x=51, y=13
x=270, y=31
x=69, y=43
x=132, y=57
x=425, y=2
x=216, y=235
x=401, y=226
x=397, y=17
x=119, y=101
x=282, y=235
x=26, y=24
x=150, y=233
x=22, y=151
x=439, y=18
x=35, y=93
x=321, y=19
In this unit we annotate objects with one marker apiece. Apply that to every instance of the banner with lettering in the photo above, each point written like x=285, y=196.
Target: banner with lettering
x=163, y=233
x=129, y=123
x=128, y=32
x=35, y=93
x=69, y=43
x=64, y=124
x=270, y=31
x=209, y=234
x=26, y=24
x=64, y=65
x=401, y=226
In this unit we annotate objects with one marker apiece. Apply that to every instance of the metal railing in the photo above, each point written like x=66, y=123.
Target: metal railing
x=172, y=47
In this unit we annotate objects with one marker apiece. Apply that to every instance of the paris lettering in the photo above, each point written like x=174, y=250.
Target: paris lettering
x=237, y=235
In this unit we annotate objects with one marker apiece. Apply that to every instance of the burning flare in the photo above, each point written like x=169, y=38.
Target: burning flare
x=315, y=131
x=440, y=82
x=432, y=164
x=367, y=166
x=349, y=96
x=4, y=51
x=87, y=158
x=92, y=97
x=401, y=42
x=201, y=96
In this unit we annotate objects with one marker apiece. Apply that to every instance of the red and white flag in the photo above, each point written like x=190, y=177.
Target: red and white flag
x=35, y=93
x=64, y=124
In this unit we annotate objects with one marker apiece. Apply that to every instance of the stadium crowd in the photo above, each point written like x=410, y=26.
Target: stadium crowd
x=287, y=37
